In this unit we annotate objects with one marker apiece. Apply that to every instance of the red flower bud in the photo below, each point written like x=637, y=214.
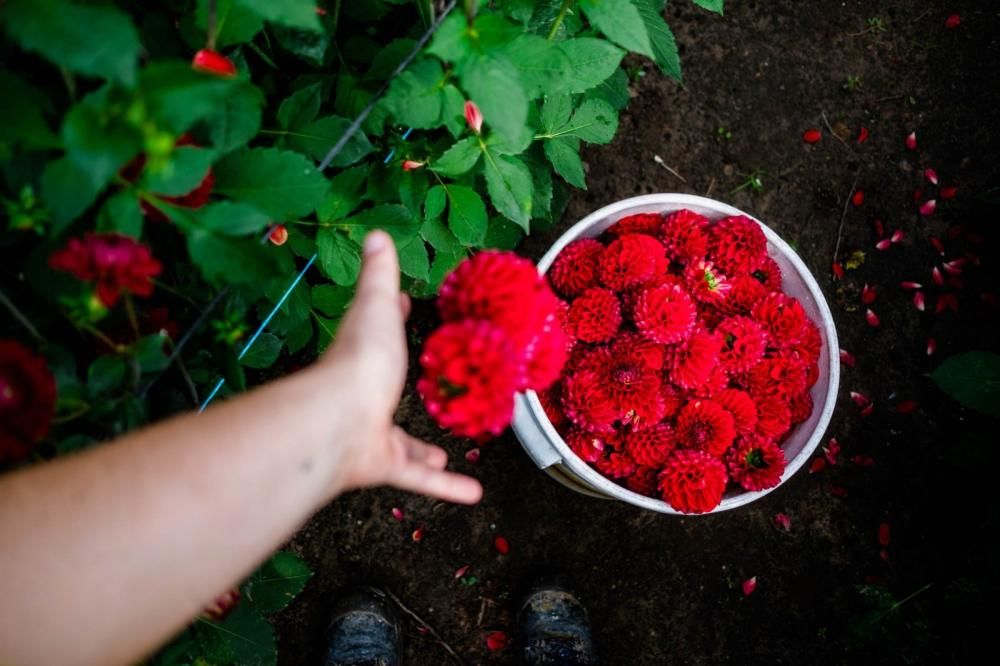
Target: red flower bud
x=278, y=235
x=473, y=116
x=213, y=62
x=412, y=165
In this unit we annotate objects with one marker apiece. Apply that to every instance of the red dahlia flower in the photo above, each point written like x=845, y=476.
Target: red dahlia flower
x=664, y=314
x=768, y=274
x=811, y=343
x=782, y=317
x=756, y=463
x=744, y=293
x=737, y=245
x=118, y=264
x=717, y=380
x=640, y=223
x=643, y=481
x=470, y=373
x=616, y=466
x=546, y=355
x=773, y=418
x=692, y=362
x=27, y=400
x=635, y=390
x=586, y=403
x=589, y=446
x=575, y=268
x=705, y=425
x=743, y=343
x=741, y=406
x=595, y=316
x=685, y=236
x=800, y=407
x=778, y=378
x=704, y=281
x=651, y=447
x=551, y=405
x=634, y=346
x=693, y=481
x=673, y=398
x=632, y=260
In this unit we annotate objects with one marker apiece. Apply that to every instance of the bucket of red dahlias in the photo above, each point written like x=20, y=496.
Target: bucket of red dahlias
x=704, y=361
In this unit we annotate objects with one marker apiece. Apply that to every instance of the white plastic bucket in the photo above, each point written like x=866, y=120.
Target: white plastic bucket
x=551, y=454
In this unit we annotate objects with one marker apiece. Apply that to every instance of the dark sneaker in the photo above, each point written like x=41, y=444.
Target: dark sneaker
x=364, y=630
x=552, y=628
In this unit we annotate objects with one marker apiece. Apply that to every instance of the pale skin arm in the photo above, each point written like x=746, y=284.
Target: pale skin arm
x=104, y=555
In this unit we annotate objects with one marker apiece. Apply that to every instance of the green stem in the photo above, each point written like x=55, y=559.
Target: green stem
x=211, y=27
x=19, y=316
x=563, y=10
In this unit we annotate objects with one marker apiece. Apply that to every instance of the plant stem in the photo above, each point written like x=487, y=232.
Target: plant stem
x=19, y=316
x=211, y=27
x=563, y=10
x=132, y=319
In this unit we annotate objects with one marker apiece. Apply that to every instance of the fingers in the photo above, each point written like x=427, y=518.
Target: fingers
x=376, y=303
x=424, y=472
x=421, y=452
x=405, y=305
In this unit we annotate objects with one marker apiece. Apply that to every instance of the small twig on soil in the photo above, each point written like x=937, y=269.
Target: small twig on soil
x=889, y=98
x=843, y=214
x=429, y=628
x=482, y=610
x=711, y=186
x=829, y=127
x=659, y=160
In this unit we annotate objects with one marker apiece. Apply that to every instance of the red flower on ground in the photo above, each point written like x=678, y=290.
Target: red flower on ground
x=118, y=264
x=632, y=260
x=586, y=403
x=665, y=314
x=693, y=481
x=640, y=223
x=470, y=373
x=692, y=362
x=651, y=447
x=705, y=425
x=744, y=342
x=685, y=236
x=575, y=268
x=595, y=316
x=704, y=281
x=782, y=317
x=741, y=406
x=27, y=400
x=616, y=466
x=756, y=463
x=737, y=245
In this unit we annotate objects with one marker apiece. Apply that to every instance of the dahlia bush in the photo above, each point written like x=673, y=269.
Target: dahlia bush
x=688, y=365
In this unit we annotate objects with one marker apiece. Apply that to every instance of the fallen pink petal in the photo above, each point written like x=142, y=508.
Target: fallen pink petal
x=910, y=286
x=897, y=236
x=953, y=21
x=862, y=134
x=946, y=302
x=418, y=535
x=928, y=207
x=831, y=451
x=918, y=301
x=948, y=191
x=931, y=176
x=911, y=140
x=931, y=346
x=817, y=465
x=937, y=276
x=838, y=270
x=872, y=318
x=883, y=534
x=954, y=266
x=397, y=513
x=749, y=585
x=812, y=135
x=500, y=543
x=938, y=245
x=868, y=411
x=858, y=198
x=497, y=640
x=473, y=455
x=461, y=571
x=868, y=294
x=883, y=244
x=860, y=399
x=847, y=358
x=782, y=522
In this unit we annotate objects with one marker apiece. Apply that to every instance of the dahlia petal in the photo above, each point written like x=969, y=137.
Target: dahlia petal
x=858, y=198
x=938, y=245
x=948, y=191
x=397, y=514
x=911, y=285
x=918, y=300
x=883, y=244
x=461, y=571
x=928, y=207
x=847, y=358
x=863, y=134
x=953, y=21
x=936, y=276
x=812, y=135
x=931, y=176
x=831, y=451
x=884, y=534
x=838, y=270
x=816, y=465
x=907, y=406
x=783, y=522
x=868, y=411
x=911, y=141
x=497, y=640
x=749, y=585
x=418, y=535
x=473, y=455
x=862, y=460
x=872, y=318
x=954, y=266
x=860, y=399
x=868, y=294
x=897, y=236
x=501, y=544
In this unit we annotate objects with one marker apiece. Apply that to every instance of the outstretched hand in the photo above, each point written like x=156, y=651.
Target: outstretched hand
x=370, y=357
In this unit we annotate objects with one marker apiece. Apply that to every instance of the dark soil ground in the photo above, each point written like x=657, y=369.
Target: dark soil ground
x=664, y=590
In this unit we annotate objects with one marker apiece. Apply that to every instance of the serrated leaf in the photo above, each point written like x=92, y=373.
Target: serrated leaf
x=87, y=39
x=291, y=13
x=412, y=188
x=466, y=215
x=564, y=154
x=511, y=145
x=263, y=353
x=664, y=47
x=508, y=182
x=435, y=201
x=458, y=159
x=415, y=96
x=309, y=45
x=230, y=260
x=181, y=173
x=293, y=310
x=234, y=25
x=503, y=234
x=541, y=64
x=450, y=41
x=711, y=5
x=613, y=90
x=237, y=120
x=339, y=256
x=283, y=184
x=300, y=108
x=346, y=190
x=595, y=122
x=331, y=299
x=413, y=259
x=973, y=379
x=541, y=176
x=594, y=59
x=121, y=214
x=149, y=353
x=299, y=337
x=177, y=96
x=106, y=374
x=277, y=582
x=394, y=219
x=232, y=218
x=244, y=638
x=453, y=110
x=436, y=233
x=67, y=191
x=388, y=58
x=492, y=82
x=319, y=136
x=556, y=112
x=620, y=21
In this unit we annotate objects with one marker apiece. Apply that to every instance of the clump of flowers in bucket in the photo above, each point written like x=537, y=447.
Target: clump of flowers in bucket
x=689, y=365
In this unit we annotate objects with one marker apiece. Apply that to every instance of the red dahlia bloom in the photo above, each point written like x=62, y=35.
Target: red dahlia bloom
x=651, y=447
x=768, y=274
x=549, y=399
x=575, y=269
x=616, y=466
x=595, y=316
x=632, y=260
x=756, y=463
x=633, y=345
x=586, y=403
x=705, y=425
x=643, y=481
x=773, y=418
x=782, y=317
x=737, y=245
x=589, y=446
x=741, y=406
x=745, y=292
x=27, y=400
x=471, y=371
x=810, y=344
x=777, y=378
x=717, y=380
x=635, y=390
x=744, y=342
x=704, y=281
x=693, y=481
x=685, y=236
x=800, y=407
x=118, y=264
x=546, y=355
x=665, y=314
x=692, y=362
x=673, y=398
x=640, y=223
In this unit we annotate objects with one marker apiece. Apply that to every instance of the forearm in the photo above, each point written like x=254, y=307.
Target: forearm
x=106, y=552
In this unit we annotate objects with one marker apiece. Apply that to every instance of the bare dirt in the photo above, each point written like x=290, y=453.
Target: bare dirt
x=664, y=590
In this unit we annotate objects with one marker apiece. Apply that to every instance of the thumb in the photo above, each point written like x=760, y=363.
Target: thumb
x=375, y=316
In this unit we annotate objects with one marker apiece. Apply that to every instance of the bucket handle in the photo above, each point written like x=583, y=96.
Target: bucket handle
x=532, y=437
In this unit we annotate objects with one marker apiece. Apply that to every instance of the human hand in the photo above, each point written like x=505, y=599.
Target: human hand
x=368, y=360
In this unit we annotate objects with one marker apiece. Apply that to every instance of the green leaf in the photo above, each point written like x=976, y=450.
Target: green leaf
x=277, y=582
x=508, y=182
x=23, y=115
x=234, y=25
x=440, y=238
x=396, y=220
x=595, y=121
x=973, y=379
x=613, y=90
x=290, y=13
x=150, y=354
x=662, y=39
x=177, y=96
x=231, y=218
x=339, y=256
x=264, y=352
x=301, y=107
x=458, y=159
x=451, y=42
x=556, y=112
x=319, y=136
x=511, y=145
x=388, y=58
x=564, y=154
x=443, y=264
x=541, y=64
x=292, y=312
x=232, y=371
x=67, y=190
x=711, y=5
x=283, y=184
x=453, y=110
x=435, y=201
x=414, y=260
x=346, y=190
x=121, y=214
x=503, y=234
x=492, y=82
x=412, y=189
x=181, y=173
x=230, y=260
x=331, y=299
x=106, y=374
x=93, y=40
x=466, y=215
x=237, y=119
x=415, y=96
x=244, y=637
x=299, y=337
x=594, y=60
x=98, y=141
x=620, y=21
x=541, y=176
x=308, y=45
